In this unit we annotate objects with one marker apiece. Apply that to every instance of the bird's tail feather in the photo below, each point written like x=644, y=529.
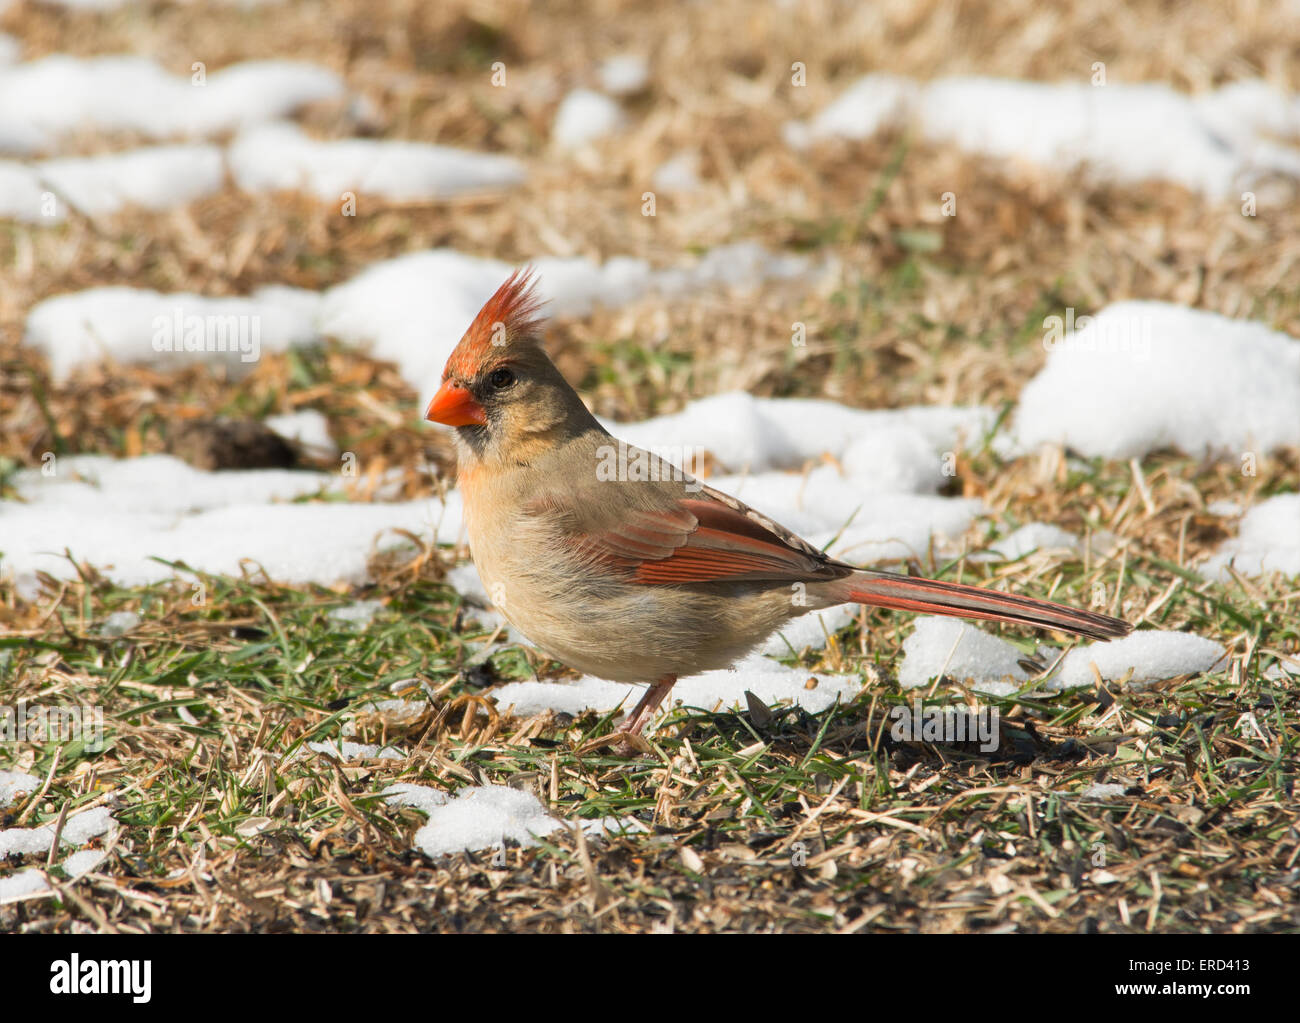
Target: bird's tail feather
x=912, y=593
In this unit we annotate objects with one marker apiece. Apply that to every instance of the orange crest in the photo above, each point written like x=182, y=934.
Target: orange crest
x=508, y=316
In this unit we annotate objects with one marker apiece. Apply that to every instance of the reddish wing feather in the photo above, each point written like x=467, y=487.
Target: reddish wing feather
x=701, y=541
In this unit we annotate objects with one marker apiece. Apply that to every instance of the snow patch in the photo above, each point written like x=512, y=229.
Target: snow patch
x=1267, y=540
x=308, y=429
x=896, y=450
x=134, y=325
x=769, y=681
x=413, y=309
x=282, y=157
x=42, y=100
x=1147, y=375
x=24, y=197
x=410, y=310
x=156, y=178
x=680, y=173
x=808, y=632
x=624, y=74
x=1151, y=655
x=97, y=823
x=357, y=616
x=1099, y=790
x=961, y=651
x=122, y=516
x=1028, y=539
x=118, y=624
x=17, y=783
x=1216, y=143
x=583, y=117
x=990, y=664
x=348, y=751
x=477, y=817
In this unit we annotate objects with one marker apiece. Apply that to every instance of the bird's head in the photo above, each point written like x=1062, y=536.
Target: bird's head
x=499, y=388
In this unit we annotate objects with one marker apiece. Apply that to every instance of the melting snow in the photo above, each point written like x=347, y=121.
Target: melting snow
x=1028, y=539
x=477, y=817
x=1152, y=655
x=769, y=681
x=1147, y=375
x=583, y=117
x=990, y=665
x=281, y=156
x=17, y=783
x=347, y=751
x=410, y=310
x=1267, y=540
x=77, y=830
x=624, y=74
x=1098, y=790
x=1216, y=143
x=485, y=817
x=133, y=325
x=155, y=178
x=44, y=99
x=308, y=429
x=958, y=649
x=124, y=515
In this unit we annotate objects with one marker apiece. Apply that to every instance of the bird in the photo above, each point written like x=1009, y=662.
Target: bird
x=642, y=576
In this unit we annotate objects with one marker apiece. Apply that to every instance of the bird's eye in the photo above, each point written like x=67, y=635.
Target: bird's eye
x=501, y=378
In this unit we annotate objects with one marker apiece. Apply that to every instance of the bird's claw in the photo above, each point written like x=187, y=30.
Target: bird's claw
x=625, y=744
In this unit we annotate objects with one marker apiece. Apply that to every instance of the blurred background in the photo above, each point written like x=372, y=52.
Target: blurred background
x=714, y=108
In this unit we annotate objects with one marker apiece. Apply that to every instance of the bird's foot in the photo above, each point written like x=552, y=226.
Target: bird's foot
x=623, y=744
x=632, y=744
x=627, y=739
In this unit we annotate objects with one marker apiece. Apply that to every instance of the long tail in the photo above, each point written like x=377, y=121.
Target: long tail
x=914, y=593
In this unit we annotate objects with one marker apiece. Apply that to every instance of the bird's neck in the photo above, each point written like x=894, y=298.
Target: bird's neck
x=531, y=445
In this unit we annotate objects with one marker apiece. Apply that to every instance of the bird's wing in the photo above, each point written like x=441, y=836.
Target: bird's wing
x=706, y=537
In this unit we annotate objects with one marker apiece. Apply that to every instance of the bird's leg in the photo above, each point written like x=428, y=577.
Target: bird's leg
x=645, y=709
x=626, y=738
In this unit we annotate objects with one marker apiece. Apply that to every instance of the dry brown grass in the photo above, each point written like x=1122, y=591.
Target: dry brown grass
x=1019, y=244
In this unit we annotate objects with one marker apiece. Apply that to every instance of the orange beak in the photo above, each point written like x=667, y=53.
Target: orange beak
x=453, y=405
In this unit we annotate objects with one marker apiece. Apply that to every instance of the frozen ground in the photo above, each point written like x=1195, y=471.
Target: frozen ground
x=1141, y=376
x=769, y=681
x=961, y=650
x=486, y=817
x=1216, y=143
x=282, y=157
x=864, y=483
x=410, y=310
x=1268, y=540
x=78, y=830
x=43, y=101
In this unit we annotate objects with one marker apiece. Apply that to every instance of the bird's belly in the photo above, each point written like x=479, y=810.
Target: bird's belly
x=634, y=633
x=608, y=626
x=631, y=639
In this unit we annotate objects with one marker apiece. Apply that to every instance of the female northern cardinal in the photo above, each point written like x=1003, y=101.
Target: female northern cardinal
x=640, y=580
